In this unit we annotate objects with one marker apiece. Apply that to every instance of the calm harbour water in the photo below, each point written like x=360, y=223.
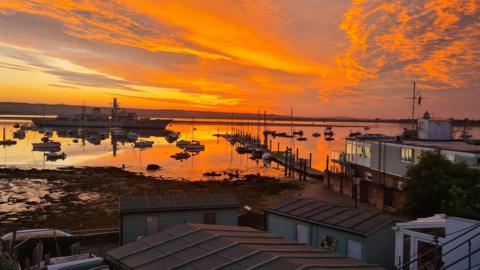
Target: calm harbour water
x=219, y=154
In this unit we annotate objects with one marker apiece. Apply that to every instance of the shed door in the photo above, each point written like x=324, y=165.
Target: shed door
x=302, y=234
x=152, y=224
x=354, y=249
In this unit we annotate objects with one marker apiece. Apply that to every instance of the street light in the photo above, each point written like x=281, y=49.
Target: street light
x=356, y=182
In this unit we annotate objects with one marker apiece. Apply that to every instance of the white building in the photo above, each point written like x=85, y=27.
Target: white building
x=438, y=242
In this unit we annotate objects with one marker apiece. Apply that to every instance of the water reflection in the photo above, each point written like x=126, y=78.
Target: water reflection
x=111, y=147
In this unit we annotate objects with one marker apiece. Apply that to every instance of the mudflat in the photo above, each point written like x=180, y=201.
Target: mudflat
x=87, y=197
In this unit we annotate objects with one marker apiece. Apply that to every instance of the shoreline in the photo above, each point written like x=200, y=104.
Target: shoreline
x=87, y=197
x=305, y=122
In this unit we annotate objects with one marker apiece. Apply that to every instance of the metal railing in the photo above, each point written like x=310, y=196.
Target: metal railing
x=440, y=247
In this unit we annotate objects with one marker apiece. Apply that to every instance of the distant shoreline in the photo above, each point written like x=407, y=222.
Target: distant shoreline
x=304, y=122
x=26, y=111
x=217, y=122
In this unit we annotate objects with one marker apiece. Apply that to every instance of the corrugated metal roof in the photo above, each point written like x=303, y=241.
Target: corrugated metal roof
x=338, y=217
x=178, y=201
x=201, y=246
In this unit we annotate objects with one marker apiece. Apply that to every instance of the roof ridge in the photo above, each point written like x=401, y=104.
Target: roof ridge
x=160, y=243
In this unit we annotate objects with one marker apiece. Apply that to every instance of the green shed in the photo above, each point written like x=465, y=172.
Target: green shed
x=351, y=232
x=145, y=215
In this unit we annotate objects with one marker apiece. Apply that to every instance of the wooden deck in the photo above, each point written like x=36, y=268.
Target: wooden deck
x=279, y=157
x=311, y=172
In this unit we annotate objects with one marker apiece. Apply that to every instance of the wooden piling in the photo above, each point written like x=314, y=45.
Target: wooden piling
x=310, y=160
x=305, y=170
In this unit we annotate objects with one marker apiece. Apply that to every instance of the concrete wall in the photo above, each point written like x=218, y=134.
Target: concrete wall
x=135, y=224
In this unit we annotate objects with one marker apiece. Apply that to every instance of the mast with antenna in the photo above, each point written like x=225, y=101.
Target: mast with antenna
x=415, y=98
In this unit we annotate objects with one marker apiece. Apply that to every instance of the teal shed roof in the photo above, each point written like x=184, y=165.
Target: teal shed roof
x=200, y=246
x=331, y=215
x=181, y=201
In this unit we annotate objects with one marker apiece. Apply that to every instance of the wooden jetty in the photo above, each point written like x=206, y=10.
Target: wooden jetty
x=291, y=162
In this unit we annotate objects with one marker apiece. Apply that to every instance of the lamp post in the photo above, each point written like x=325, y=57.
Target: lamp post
x=356, y=182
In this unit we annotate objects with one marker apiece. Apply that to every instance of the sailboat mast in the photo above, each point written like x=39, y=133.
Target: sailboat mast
x=258, y=126
x=413, y=106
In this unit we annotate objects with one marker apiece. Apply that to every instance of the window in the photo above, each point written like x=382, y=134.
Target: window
x=354, y=249
x=450, y=157
x=417, y=155
x=367, y=151
x=209, y=218
x=302, y=234
x=407, y=154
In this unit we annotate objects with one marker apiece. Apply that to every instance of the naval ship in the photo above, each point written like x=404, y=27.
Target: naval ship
x=95, y=118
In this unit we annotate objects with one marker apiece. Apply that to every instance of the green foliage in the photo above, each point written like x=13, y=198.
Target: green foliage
x=436, y=185
x=6, y=264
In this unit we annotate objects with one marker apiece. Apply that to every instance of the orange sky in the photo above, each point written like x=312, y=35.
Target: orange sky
x=323, y=58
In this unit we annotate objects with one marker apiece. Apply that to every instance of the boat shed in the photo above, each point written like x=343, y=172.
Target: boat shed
x=351, y=232
x=202, y=246
x=145, y=215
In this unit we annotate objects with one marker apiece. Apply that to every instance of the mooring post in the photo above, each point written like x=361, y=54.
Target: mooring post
x=278, y=147
x=310, y=160
x=327, y=173
x=297, y=155
x=305, y=171
x=292, y=166
x=270, y=148
x=300, y=172
x=285, y=163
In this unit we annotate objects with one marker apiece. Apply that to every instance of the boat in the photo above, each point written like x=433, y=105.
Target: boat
x=173, y=136
x=16, y=125
x=301, y=139
x=93, y=139
x=182, y=143
x=78, y=261
x=96, y=118
x=257, y=153
x=48, y=145
x=268, y=132
x=195, y=146
x=19, y=134
x=103, y=134
x=316, y=134
x=354, y=134
x=53, y=156
x=6, y=142
x=143, y=144
x=328, y=132
x=299, y=133
x=267, y=156
x=75, y=140
x=48, y=132
x=180, y=156
x=329, y=138
x=243, y=150
x=132, y=135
